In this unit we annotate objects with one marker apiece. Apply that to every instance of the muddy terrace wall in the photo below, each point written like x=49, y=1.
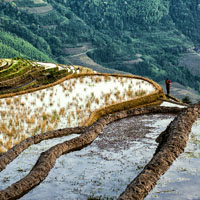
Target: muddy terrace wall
x=47, y=159
x=149, y=100
x=171, y=144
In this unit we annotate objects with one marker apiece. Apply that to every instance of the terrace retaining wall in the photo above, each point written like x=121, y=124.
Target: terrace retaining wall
x=48, y=158
x=171, y=144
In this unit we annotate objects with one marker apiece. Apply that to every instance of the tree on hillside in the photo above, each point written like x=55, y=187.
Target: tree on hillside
x=187, y=100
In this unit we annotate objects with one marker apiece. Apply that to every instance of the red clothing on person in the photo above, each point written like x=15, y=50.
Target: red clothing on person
x=168, y=82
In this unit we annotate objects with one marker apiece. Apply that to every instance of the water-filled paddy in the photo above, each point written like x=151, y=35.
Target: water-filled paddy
x=104, y=168
x=182, y=180
x=67, y=104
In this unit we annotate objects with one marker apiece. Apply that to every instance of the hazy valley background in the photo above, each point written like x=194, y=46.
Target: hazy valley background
x=152, y=38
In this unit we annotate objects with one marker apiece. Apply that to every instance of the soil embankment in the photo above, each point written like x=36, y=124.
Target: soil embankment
x=171, y=144
x=47, y=159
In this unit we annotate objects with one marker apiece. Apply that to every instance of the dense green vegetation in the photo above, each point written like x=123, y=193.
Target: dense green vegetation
x=13, y=46
x=153, y=32
x=17, y=74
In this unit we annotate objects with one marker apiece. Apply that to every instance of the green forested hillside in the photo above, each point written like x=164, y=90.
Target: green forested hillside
x=144, y=37
x=13, y=46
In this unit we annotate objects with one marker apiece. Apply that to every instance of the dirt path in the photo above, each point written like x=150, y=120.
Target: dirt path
x=83, y=53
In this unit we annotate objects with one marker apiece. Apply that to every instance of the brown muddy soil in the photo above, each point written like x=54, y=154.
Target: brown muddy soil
x=120, y=134
x=172, y=143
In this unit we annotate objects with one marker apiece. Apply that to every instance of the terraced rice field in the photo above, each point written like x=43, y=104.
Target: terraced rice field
x=20, y=74
x=68, y=104
x=101, y=170
x=113, y=150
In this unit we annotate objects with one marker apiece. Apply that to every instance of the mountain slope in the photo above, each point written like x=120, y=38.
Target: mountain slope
x=13, y=46
x=156, y=32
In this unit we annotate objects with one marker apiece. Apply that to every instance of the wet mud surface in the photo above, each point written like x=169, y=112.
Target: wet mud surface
x=122, y=133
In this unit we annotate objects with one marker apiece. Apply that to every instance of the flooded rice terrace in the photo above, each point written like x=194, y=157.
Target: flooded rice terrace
x=182, y=180
x=104, y=168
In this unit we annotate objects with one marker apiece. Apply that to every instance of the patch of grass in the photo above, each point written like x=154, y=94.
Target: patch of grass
x=107, y=78
x=2, y=149
x=129, y=93
x=97, y=101
x=31, y=119
x=88, y=104
x=43, y=125
x=3, y=114
x=62, y=111
x=3, y=127
x=69, y=119
x=98, y=79
x=50, y=103
x=117, y=94
x=29, y=116
x=16, y=100
x=106, y=98
x=70, y=89
x=35, y=130
x=8, y=144
x=8, y=101
x=140, y=93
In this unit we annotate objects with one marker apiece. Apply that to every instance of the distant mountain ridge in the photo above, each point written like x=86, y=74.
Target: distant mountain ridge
x=155, y=32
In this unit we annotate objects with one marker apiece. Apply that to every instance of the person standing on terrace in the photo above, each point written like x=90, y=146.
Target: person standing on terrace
x=168, y=85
